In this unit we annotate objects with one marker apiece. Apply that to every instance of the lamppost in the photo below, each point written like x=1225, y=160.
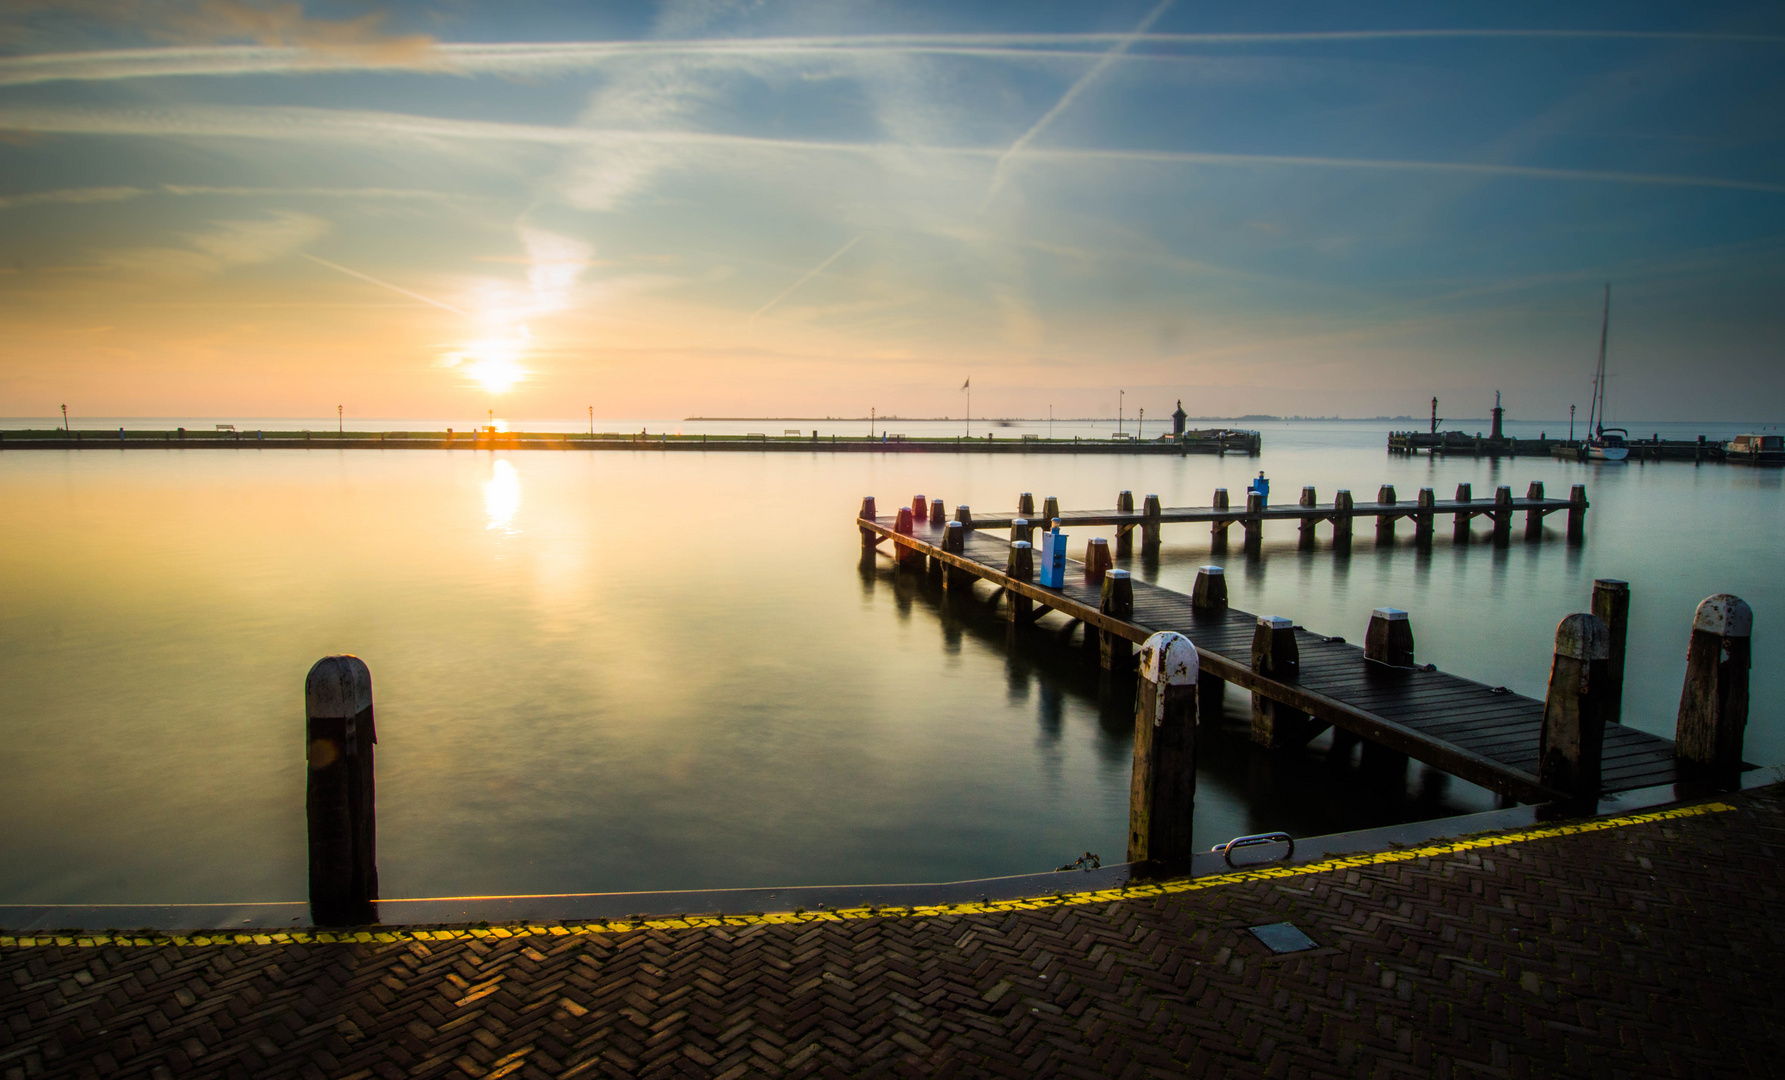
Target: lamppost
x=1121, y=395
x=1570, y=423
x=492, y=421
x=1138, y=422
x=65, y=419
x=1050, y=423
x=340, y=423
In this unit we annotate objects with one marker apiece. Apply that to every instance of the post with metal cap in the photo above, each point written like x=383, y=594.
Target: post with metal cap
x=1276, y=656
x=1254, y=523
x=1385, y=522
x=870, y=538
x=1162, y=788
x=1389, y=640
x=938, y=514
x=964, y=514
x=1459, y=530
x=1050, y=508
x=1342, y=511
x=339, y=798
x=1124, y=533
x=1097, y=560
x=1309, y=500
x=1208, y=598
x=1577, y=513
x=1502, y=515
x=1019, y=530
x=1568, y=750
x=1422, y=517
x=1115, y=652
x=1611, y=606
x=1149, y=526
x=1218, y=527
x=954, y=542
x=920, y=510
x=1534, y=517
x=1020, y=564
x=1025, y=505
x=1714, y=703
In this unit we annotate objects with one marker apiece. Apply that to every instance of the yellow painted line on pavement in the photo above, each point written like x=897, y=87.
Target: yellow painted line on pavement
x=1148, y=890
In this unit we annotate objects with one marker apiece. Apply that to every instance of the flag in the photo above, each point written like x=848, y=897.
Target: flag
x=968, y=383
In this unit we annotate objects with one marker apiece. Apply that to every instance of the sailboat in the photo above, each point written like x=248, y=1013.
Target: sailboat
x=1603, y=443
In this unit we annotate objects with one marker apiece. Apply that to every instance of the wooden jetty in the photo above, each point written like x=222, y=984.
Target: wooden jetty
x=1387, y=509
x=1303, y=682
x=1462, y=444
x=1218, y=442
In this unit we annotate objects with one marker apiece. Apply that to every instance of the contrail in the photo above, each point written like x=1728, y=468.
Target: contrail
x=1000, y=172
x=385, y=284
x=810, y=274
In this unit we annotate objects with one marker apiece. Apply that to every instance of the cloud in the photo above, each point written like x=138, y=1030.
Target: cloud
x=71, y=195
x=223, y=245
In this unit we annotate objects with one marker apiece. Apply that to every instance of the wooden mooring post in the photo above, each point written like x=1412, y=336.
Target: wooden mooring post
x=938, y=514
x=1502, y=516
x=1097, y=560
x=1534, y=518
x=1050, y=509
x=1021, y=566
x=1459, y=528
x=1162, y=787
x=1422, y=517
x=1389, y=639
x=1308, y=523
x=1611, y=606
x=1577, y=513
x=870, y=538
x=1025, y=505
x=340, y=802
x=1254, y=522
x=903, y=554
x=1385, y=523
x=1276, y=656
x=1020, y=530
x=1714, y=702
x=954, y=542
x=1149, y=527
x=1210, y=594
x=1115, y=652
x=1342, y=519
x=1124, y=533
x=1574, y=713
x=1218, y=527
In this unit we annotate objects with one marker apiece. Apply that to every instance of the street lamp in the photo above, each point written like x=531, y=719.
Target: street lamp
x=591, y=421
x=64, y=419
x=1120, y=396
x=340, y=424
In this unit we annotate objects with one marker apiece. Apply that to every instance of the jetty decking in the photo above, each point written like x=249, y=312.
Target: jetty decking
x=1483, y=734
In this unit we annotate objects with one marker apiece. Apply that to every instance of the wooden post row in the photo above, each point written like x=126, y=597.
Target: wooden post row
x=1162, y=787
x=1574, y=712
x=340, y=802
x=1714, y=701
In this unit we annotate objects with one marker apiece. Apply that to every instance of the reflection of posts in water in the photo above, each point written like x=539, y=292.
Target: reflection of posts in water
x=340, y=802
x=1162, y=786
x=1714, y=701
x=1574, y=711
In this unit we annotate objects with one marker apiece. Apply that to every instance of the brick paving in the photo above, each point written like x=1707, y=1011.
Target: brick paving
x=1651, y=949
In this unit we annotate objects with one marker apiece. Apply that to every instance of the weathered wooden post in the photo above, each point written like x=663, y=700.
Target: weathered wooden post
x=1309, y=501
x=1208, y=597
x=1422, y=517
x=1714, y=702
x=1114, y=651
x=1218, y=527
x=1124, y=533
x=920, y=510
x=964, y=514
x=903, y=554
x=1254, y=523
x=954, y=542
x=1149, y=527
x=1343, y=505
x=1611, y=606
x=1020, y=564
x=870, y=538
x=339, y=800
x=1097, y=560
x=1162, y=788
x=1050, y=508
x=1502, y=515
x=1025, y=505
x=1534, y=516
x=1568, y=750
x=1276, y=656
x=1019, y=530
x=1389, y=640
x=938, y=514
x=1577, y=514
x=1385, y=522
x=1459, y=531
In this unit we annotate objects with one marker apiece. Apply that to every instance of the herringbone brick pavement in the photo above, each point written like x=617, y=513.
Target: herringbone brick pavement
x=1651, y=949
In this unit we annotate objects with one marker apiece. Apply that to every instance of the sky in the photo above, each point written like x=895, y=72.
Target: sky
x=755, y=207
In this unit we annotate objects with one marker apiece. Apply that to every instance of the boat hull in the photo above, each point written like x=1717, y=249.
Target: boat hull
x=1607, y=453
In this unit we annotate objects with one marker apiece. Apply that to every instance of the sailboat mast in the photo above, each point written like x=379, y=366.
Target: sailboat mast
x=1596, y=411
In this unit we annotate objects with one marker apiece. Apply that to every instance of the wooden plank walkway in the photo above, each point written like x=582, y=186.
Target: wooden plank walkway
x=1483, y=734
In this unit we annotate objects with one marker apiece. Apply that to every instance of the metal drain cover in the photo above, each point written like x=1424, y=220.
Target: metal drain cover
x=1282, y=937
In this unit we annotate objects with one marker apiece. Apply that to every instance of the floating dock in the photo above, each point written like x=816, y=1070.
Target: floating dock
x=1484, y=734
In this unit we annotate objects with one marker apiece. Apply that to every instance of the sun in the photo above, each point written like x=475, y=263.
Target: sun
x=493, y=365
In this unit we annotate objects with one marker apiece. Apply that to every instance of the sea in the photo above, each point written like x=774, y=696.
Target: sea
x=645, y=670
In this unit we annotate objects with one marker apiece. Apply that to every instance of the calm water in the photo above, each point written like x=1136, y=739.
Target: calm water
x=645, y=670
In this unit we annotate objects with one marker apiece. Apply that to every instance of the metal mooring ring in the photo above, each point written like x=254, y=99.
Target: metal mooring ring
x=1227, y=849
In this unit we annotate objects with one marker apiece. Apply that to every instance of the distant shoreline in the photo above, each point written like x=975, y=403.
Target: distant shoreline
x=1249, y=419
